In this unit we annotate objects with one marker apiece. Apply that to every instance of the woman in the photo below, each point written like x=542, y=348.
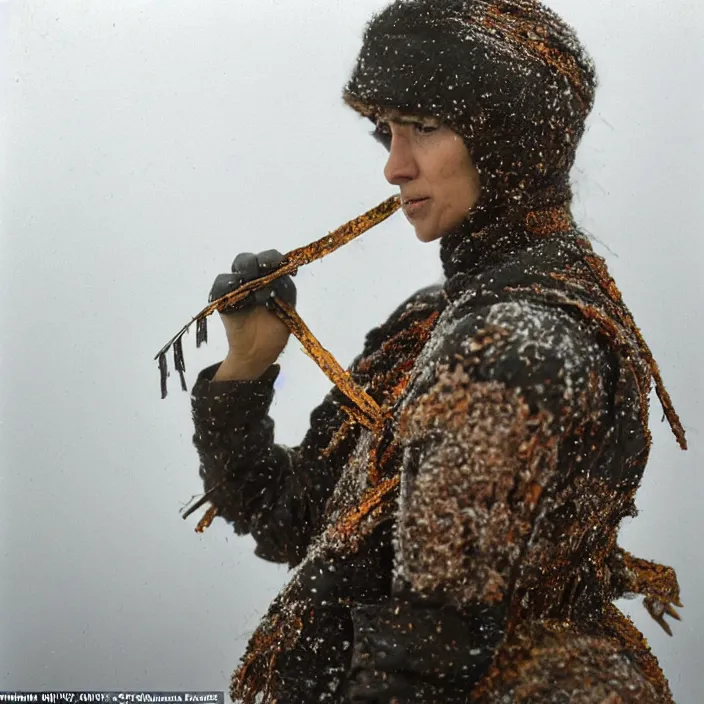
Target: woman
x=470, y=554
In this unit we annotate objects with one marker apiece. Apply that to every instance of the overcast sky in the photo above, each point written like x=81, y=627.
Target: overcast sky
x=147, y=144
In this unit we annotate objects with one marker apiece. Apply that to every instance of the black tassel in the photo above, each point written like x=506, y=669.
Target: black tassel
x=163, y=372
x=179, y=364
x=201, y=331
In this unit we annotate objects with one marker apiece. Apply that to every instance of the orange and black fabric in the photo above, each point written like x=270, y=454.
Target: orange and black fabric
x=468, y=552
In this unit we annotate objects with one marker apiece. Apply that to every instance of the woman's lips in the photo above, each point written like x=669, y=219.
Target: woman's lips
x=413, y=208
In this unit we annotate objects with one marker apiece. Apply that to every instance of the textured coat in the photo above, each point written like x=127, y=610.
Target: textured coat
x=470, y=553
x=467, y=552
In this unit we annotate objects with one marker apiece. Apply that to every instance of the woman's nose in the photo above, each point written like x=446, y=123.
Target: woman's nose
x=400, y=167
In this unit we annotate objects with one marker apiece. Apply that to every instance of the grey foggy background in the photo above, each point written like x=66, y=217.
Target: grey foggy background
x=149, y=143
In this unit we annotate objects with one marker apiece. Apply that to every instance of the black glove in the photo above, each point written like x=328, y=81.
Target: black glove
x=246, y=267
x=414, y=652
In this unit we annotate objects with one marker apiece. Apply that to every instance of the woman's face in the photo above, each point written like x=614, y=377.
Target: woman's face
x=429, y=161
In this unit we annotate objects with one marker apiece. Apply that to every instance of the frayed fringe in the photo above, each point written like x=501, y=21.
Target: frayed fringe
x=163, y=373
x=179, y=363
x=201, y=331
x=292, y=261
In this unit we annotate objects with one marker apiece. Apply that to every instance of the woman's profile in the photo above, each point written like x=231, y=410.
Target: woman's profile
x=470, y=552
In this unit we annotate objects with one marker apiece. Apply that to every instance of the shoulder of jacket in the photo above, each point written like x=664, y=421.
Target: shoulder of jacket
x=545, y=353
x=526, y=321
x=517, y=340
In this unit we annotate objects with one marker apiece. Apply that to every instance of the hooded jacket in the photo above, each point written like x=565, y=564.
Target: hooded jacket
x=493, y=500
x=467, y=552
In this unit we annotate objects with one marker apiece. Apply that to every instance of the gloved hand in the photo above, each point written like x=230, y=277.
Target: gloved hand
x=413, y=652
x=246, y=267
x=256, y=336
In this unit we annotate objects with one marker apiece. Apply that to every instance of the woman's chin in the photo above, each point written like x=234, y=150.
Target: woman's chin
x=425, y=235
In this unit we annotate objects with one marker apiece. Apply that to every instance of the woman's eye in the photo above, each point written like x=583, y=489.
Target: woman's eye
x=382, y=133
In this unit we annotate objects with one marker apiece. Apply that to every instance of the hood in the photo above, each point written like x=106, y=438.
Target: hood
x=509, y=76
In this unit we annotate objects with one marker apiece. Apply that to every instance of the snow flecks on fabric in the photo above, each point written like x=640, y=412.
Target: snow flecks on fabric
x=468, y=513
x=551, y=663
x=518, y=395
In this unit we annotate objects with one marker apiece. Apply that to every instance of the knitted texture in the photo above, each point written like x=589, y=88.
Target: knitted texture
x=509, y=76
x=466, y=551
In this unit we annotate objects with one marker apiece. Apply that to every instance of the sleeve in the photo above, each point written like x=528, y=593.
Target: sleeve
x=497, y=402
x=273, y=492
x=504, y=396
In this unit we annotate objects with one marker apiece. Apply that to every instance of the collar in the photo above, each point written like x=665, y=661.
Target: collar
x=490, y=235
